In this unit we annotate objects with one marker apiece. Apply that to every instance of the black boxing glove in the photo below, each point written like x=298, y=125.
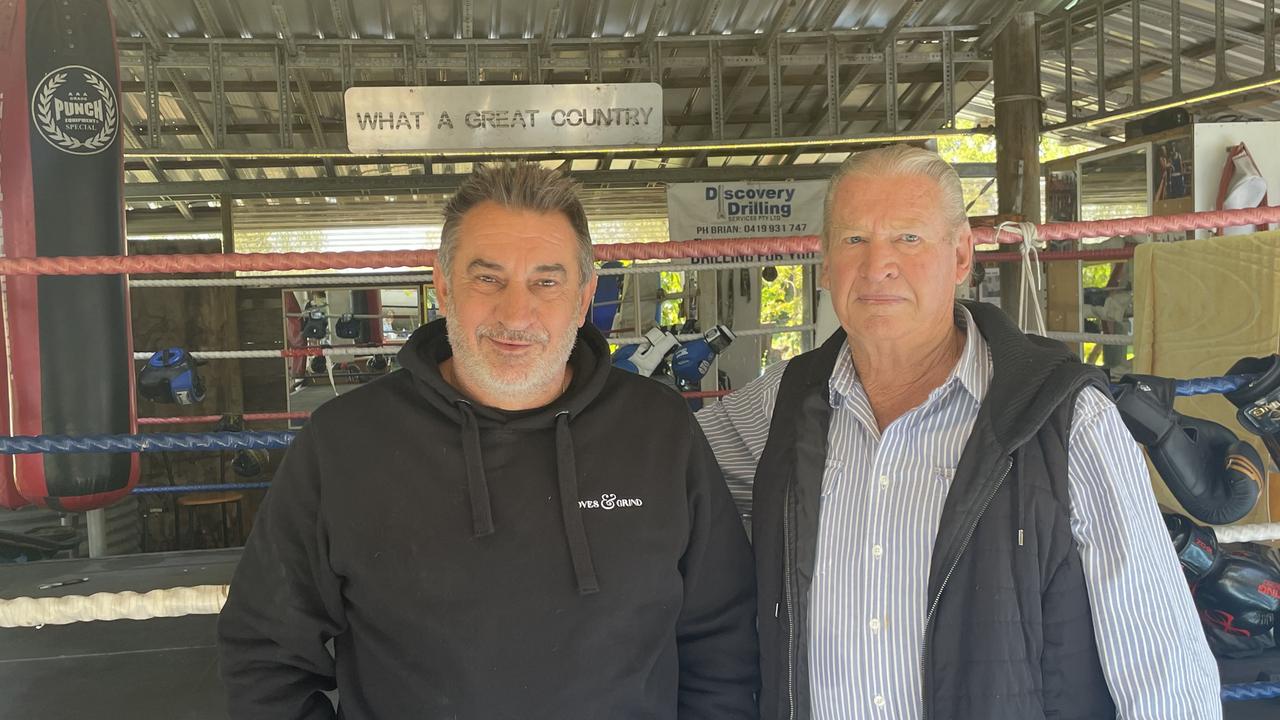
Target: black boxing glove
x=315, y=323
x=1215, y=475
x=245, y=463
x=171, y=376
x=1238, y=605
x=1196, y=546
x=347, y=327
x=1259, y=401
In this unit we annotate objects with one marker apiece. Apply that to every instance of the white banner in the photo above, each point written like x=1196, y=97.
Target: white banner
x=503, y=116
x=713, y=210
x=710, y=210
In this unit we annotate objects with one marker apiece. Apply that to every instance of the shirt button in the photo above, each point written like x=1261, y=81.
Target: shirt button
x=879, y=701
x=884, y=481
x=875, y=624
x=877, y=551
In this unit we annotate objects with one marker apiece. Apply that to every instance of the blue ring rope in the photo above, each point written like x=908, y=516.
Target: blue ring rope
x=267, y=440
x=149, y=442
x=207, y=487
x=1213, y=385
x=1250, y=691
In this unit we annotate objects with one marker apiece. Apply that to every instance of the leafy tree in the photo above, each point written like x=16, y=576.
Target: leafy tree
x=782, y=303
x=672, y=312
x=259, y=241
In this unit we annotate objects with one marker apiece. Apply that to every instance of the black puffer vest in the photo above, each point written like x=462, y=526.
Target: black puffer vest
x=1009, y=633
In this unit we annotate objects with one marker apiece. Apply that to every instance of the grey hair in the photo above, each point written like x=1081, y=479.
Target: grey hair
x=520, y=185
x=900, y=160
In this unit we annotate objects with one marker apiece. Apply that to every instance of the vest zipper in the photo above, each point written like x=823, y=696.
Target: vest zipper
x=791, y=626
x=924, y=645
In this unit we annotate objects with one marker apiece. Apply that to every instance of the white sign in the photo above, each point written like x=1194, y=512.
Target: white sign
x=503, y=116
x=705, y=211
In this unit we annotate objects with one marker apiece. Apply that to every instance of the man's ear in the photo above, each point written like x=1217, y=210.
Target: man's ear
x=441, y=285
x=585, y=297
x=964, y=253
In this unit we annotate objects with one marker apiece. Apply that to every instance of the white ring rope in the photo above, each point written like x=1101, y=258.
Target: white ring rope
x=737, y=333
x=1260, y=532
x=170, y=602
x=290, y=281
x=255, y=354
x=641, y=268
x=392, y=350
x=208, y=599
x=1098, y=338
x=339, y=316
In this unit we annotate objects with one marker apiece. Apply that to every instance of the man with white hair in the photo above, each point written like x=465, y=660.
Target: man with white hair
x=950, y=519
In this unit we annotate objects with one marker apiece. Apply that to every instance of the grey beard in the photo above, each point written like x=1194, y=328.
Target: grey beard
x=471, y=367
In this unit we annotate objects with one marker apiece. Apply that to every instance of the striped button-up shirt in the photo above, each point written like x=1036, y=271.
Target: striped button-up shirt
x=882, y=500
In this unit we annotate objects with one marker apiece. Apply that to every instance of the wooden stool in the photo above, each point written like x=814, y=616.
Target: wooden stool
x=189, y=503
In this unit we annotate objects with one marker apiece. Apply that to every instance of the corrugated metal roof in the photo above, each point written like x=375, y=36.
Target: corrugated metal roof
x=252, y=105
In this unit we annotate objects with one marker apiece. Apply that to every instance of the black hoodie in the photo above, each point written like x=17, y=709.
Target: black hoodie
x=582, y=560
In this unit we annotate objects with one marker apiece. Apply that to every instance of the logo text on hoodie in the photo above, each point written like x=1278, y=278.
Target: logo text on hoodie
x=609, y=501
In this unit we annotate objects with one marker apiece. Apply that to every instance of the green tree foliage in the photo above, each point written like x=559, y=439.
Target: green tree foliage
x=280, y=241
x=782, y=303
x=672, y=312
x=982, y=149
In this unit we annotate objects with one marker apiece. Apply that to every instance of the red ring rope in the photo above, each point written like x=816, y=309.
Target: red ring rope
x=211, y=263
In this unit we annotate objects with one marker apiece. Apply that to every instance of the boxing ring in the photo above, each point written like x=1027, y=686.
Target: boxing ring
x=135, y=634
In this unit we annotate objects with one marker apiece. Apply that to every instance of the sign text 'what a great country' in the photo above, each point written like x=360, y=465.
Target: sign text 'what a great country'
x=514, y=116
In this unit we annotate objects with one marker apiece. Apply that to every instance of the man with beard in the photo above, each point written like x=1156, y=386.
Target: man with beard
x=507, y=527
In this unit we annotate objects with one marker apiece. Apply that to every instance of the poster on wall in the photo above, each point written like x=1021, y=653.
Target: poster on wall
x=720, y=210
x=1060, y=196
x=1172, y=170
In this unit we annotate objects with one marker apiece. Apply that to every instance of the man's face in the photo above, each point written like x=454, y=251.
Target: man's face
x=514, y=301
x=893, y=260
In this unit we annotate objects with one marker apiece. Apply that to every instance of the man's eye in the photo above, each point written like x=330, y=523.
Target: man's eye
x=548, y=283
x=853, y=240
x=489, y=279
x=910, y=238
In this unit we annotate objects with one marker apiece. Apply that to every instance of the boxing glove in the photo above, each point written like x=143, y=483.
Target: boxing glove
x=1196, y=546
x=1259, y=400
x=1215, y=475
x=171, y=376
x=1238, y=605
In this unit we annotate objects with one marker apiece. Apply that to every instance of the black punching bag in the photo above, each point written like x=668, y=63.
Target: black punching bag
x=61, y=175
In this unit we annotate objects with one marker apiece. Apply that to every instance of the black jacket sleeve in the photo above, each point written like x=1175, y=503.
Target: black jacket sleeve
x=285, y=602
x=716, y=632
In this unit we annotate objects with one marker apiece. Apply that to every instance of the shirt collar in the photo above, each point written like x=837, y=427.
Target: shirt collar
x=972, y=370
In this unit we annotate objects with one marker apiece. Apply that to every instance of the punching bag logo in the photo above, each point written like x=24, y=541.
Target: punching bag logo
x=74, y=108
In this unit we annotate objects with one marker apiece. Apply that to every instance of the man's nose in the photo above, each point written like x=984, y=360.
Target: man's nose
x=879, y=260
x=515, y=308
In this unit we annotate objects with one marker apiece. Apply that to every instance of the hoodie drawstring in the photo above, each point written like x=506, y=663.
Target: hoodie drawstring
x=477, y=485
x=575, y=532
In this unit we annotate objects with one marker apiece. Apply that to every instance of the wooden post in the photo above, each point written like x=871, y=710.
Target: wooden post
x=1016, y=69
x=225, y=203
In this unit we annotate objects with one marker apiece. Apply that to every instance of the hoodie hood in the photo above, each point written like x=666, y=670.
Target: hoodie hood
x=421, y=357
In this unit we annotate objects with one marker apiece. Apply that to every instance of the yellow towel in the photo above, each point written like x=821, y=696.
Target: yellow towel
x=1200, y=305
